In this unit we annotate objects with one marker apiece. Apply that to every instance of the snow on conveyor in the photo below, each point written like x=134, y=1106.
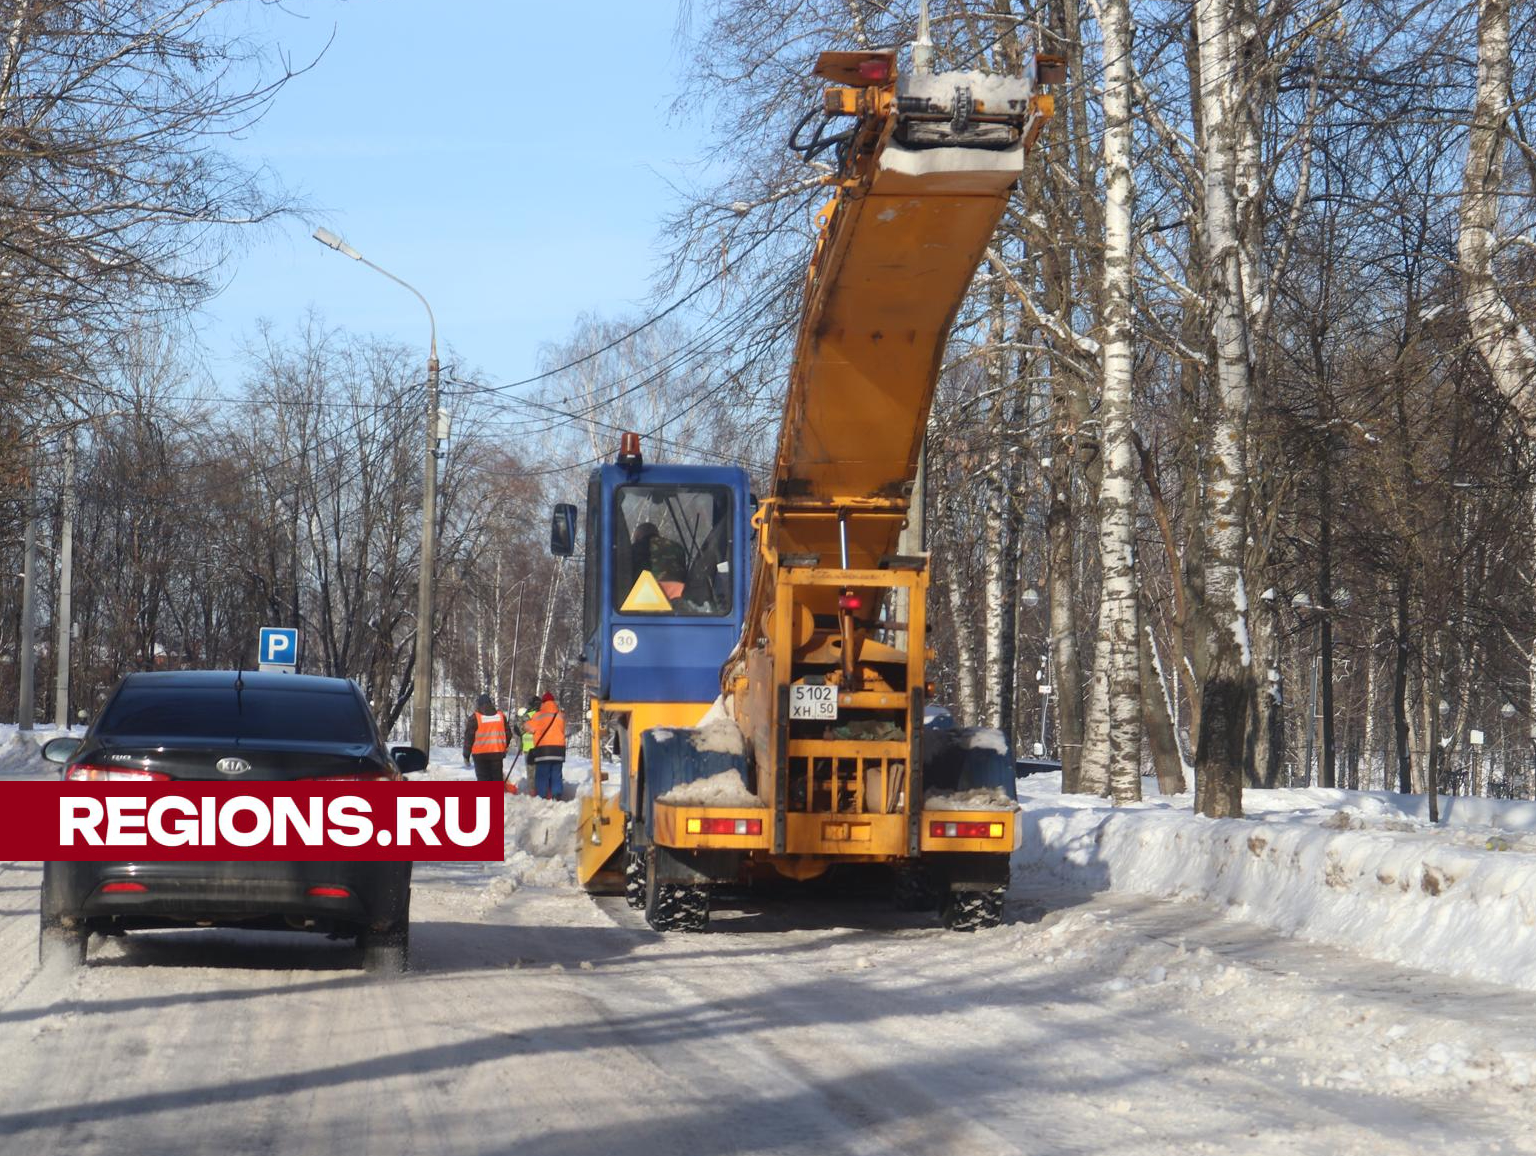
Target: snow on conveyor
x=727, y=789
x=976, y=799
x=1354, y=872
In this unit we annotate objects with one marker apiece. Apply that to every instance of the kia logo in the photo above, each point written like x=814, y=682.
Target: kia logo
x=232, y=766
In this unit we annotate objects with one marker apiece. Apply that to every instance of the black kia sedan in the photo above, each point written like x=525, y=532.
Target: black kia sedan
x=204, y=725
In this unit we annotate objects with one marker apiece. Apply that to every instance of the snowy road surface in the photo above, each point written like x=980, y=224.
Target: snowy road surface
x=540, y=1021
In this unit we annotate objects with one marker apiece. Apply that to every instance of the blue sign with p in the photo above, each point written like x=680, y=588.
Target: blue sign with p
x=278, y=646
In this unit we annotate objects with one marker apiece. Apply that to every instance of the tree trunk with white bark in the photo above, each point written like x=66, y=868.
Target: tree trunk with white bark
x=1001, y=538
x=1227, y=684
x=1118, y=665
x=1505, y=344
x=1066, y=663
x=965, y=653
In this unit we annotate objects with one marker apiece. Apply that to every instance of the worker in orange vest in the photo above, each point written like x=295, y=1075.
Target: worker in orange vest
x=487, y=738
x=548, y=754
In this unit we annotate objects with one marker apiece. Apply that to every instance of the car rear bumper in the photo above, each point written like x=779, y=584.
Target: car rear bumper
x=376, y=895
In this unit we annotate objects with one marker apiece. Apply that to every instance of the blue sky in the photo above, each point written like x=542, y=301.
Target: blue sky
x=510, y=160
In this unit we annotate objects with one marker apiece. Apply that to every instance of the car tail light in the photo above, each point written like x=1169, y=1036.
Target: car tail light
x=109, y=887
x=725, y=826
x=85, y=772
x=330, y=893
x=966, y=830
x=361, y=777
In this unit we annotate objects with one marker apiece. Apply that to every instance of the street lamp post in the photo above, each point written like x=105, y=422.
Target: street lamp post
x=1045, y=705
x=1511, y=787
x=421, y=694
x=66, y=588
x=1301, y=603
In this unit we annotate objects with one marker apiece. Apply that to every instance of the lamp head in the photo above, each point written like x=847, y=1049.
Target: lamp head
x=331, y=241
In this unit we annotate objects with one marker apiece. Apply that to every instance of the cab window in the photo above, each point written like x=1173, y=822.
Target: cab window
x=672, y=550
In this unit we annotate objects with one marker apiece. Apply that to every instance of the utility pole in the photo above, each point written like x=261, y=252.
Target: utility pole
x=66, y=588
x=517, y=637
x=24, y=703
x=1307, y=779
x=549, y=622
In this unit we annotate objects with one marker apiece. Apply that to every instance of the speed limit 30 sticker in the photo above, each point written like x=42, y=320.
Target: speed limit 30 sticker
x=625, y=641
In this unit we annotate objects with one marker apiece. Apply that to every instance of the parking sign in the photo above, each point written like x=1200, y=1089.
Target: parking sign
x=278, y=649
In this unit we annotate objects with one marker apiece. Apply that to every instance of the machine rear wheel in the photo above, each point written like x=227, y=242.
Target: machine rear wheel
x=915, y=889
x=673, y=907
x=973, y=910
x=634, y=871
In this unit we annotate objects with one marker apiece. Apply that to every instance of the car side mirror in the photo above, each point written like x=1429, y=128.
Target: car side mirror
x=60, y=750
x=410, y=760
x=562, y=531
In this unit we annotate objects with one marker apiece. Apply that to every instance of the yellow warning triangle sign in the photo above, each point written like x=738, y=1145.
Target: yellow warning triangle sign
x=645, y=596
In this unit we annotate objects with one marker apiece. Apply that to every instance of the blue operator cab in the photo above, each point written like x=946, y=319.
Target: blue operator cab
x=663, y=601
x=665, y=579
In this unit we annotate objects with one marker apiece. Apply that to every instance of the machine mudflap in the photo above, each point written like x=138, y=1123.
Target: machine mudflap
x=599, y=838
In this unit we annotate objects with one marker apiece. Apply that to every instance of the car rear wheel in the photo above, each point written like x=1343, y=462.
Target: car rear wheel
x=60, y=948
x=386, y=952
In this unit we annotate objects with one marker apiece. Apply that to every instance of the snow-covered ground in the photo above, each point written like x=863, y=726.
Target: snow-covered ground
x=1099, y=1019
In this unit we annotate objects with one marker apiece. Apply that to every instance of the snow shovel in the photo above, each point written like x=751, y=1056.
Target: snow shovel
x=506, y=779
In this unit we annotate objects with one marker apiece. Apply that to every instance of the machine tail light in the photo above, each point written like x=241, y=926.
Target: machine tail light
x=725, y=826
x=877, y=71
x=85, y=772
x=966, y=830
x=329, y=893
x=108, y=888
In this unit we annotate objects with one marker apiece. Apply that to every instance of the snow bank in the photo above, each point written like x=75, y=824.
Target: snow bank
x=1424, y=897
x=727, y=789
x=540, y=848
x=21, y=755
x=540, y=842
x=1455, y=811
x=540, y=834
x=978, y=799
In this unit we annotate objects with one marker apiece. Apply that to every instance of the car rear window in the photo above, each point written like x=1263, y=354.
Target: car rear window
x=218, y=712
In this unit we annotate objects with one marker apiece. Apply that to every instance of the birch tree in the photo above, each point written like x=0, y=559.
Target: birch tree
x=1501, y=337
x=1117, y=675
x=114, y=195
x=1227, y=684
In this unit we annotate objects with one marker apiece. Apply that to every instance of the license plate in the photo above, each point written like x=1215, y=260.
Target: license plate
x=816, y=702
